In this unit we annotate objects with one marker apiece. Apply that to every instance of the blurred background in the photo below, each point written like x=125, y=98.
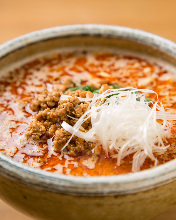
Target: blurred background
x=18, y=17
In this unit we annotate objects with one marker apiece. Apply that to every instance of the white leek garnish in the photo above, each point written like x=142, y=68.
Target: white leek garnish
x=124, y=124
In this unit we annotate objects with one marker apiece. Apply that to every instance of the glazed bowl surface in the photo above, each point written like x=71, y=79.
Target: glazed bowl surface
x=46, y=195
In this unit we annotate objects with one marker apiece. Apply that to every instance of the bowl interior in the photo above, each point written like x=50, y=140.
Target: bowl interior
x=85, y=36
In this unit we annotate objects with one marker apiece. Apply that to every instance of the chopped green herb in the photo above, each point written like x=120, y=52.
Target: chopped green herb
x=96, y=91
x=89, y=88
x=109, y=96
x=115, y=86
x=84, y=88
x=146, y=100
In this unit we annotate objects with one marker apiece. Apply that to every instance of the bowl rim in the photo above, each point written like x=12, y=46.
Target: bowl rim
x=89, y=186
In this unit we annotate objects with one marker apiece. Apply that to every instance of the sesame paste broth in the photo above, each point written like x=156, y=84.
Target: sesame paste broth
x=84, y=67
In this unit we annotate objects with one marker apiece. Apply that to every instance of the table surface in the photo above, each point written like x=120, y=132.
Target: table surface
x=19, y=17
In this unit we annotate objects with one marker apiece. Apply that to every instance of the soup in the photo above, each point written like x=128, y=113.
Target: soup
x=43, y=101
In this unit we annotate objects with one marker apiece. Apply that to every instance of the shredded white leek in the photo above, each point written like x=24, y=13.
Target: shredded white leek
x=124, y=123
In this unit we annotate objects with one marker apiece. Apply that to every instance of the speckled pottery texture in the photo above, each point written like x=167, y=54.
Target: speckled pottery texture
x=45, y=195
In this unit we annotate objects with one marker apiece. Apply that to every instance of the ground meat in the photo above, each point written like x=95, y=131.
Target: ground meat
x=51, y=131
x=46, y=100
x=104, y=87
x=76, y=145
x=76, y=93
x=36, y=131
x=170, y=153
x=51, y=112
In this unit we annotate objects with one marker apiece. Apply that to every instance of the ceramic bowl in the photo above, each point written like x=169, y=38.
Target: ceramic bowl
x=44, y=195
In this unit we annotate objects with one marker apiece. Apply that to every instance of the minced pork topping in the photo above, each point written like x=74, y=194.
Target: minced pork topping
x=51, y=112
x=39, y=96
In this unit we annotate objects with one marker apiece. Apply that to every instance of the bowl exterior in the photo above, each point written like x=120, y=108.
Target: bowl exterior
x=44, y=204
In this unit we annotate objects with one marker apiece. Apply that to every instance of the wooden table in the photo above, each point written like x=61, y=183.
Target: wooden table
x=18, y=17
